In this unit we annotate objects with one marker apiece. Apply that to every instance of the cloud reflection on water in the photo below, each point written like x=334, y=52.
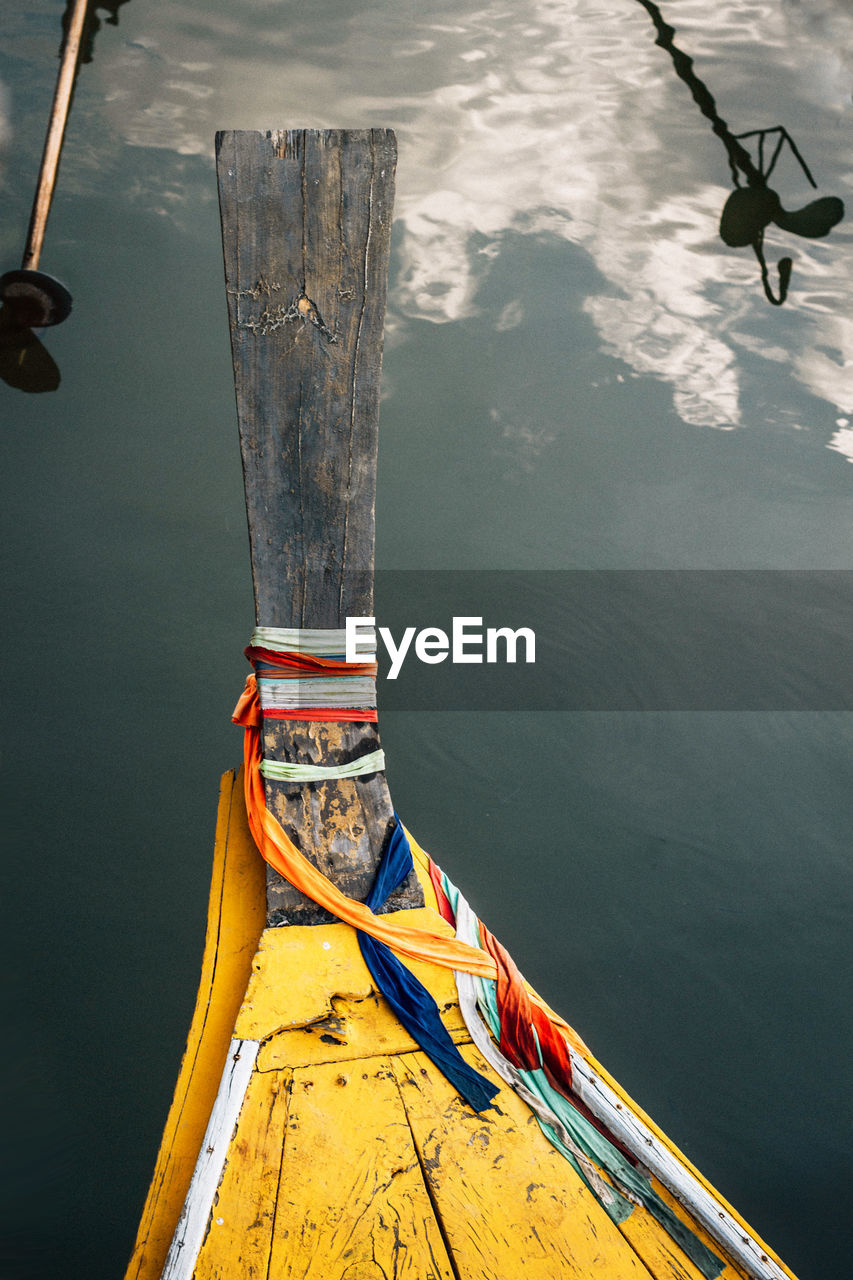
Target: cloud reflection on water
x=549, y=119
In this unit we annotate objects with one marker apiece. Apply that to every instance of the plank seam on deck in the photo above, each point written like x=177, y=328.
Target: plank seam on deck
x=429, y=1191
x=358, y=1056
x=287, y=1099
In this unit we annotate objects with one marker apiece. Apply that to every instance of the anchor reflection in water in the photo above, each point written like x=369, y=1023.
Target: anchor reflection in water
x=24, y=362
x=750, y=209
x=93, y=24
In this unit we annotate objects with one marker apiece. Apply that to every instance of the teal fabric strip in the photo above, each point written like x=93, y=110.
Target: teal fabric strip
x=628, y=1178
x=285, y=771
x=632, y=1186
x=590, y=1141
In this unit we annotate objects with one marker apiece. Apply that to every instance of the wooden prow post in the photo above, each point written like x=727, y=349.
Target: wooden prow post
x=306, y=224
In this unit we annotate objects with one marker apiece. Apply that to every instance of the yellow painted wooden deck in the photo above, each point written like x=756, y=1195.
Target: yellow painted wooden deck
x=352, y=1157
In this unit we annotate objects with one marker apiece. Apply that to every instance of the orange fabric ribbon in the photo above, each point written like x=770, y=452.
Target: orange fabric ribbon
x=248, y=709
x=281, y=853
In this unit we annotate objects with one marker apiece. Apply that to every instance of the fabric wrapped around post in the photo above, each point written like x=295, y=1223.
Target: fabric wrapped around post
x=409, y=999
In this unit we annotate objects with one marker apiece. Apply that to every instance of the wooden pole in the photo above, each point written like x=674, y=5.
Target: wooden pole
x=53, y=140
x=306, y=223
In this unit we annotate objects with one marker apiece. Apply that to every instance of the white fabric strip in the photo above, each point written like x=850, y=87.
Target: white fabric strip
x=466, y=986
x=319, y=642
x=195, y=1215
x=355, y=692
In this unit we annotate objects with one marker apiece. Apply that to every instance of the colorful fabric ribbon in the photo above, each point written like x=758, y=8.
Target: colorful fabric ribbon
x=281, y=853
x=536, y=1063
x=288, y=771
x=324, y=642
x=533, y=1047
x=533, y=1056
x=408, y=997
x=292, y=683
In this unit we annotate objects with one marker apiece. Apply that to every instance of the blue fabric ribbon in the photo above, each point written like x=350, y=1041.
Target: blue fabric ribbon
x=409, y=999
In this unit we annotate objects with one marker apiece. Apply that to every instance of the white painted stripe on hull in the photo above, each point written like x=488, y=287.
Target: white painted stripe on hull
x=630, y=1130
x=195, y=1215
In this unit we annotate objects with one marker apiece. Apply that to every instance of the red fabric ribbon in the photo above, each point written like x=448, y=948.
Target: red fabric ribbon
x=290, y=666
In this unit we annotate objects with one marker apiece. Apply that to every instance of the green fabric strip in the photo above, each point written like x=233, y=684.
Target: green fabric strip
x=285, y=771
x=321, y=642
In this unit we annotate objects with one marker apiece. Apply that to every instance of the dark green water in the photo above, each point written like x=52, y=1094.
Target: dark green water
x=578, y=374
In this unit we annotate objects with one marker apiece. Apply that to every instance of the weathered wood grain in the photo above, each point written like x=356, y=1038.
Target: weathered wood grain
x=509, y=1204
x=353, y=1204
x=306, y=223
x=239, y=1233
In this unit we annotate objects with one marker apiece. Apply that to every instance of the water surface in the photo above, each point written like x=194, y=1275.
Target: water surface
x=579, y=374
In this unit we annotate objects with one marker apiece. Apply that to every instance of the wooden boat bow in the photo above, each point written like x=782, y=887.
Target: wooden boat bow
x=311, y=1135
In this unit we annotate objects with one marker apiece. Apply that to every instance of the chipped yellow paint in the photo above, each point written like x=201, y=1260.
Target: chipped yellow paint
x=683, y=1160
x=238, y=1239
x=236, y=913
x=662, y=1256
x=311, y=997
x=510, y=1205
x=732, y=1270
x=352, y=1202
x=353, y=1158
x=354, y=1029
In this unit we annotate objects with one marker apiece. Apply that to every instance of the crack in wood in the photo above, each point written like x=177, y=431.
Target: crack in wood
x=271, y=320
x=425, y=1175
